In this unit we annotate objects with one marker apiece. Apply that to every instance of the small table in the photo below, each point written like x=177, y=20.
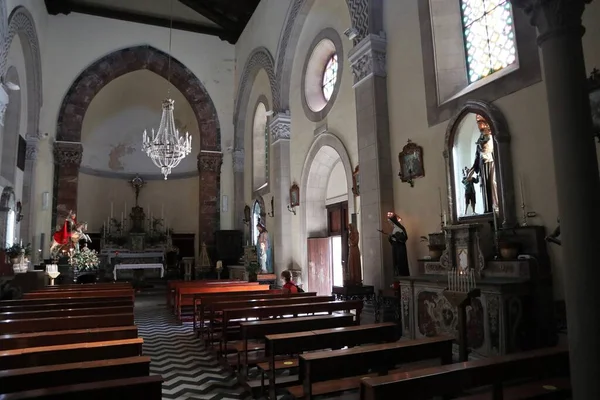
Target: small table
x=139, y=266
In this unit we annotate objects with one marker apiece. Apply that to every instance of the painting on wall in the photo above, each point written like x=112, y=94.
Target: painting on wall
x=594, y=82
x=411, y=163
x=294, y=195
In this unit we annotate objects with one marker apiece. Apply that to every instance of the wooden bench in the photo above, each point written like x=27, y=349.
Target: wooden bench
x=146, y=388
x=90, y=298
x=52, y=305
x=299, y=342
x=336, y=371
x=423, y=384
x=184, y=296
x=62, y=312
x=173, y=284
x=16, y=380
x=87, y=286
x=53, y=338
x=59, y=324
x=70, y=353
x=218, y=307
x=80, y=293
x=286, y=310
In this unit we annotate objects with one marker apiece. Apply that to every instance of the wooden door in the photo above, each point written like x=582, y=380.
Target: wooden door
x=319, y=266
x=337, y=225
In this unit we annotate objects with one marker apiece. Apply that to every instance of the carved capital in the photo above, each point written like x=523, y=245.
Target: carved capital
x=238, y=161
x=67, y=153
x=31, y=151
x=210, y=161
x=554, y=17
x=368, y=58
x=281, y=127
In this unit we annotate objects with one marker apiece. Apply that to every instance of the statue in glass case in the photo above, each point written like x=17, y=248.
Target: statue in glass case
x=484, y=165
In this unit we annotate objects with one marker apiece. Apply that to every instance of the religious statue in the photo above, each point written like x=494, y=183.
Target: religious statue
x=398, y=239
x=469, y=184
x=70, y=234
x=354, y=268
x=484, y=165
x=264, y=249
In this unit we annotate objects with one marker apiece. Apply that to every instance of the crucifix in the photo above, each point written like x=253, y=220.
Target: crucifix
x=137, y=183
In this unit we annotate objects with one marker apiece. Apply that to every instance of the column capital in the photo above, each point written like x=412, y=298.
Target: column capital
x=210, y=161
x=238, y=160
x=31, y=151
x=280, y=126
x=554, y=17
x=368, y=58
x=3, y=103
x=67, y=153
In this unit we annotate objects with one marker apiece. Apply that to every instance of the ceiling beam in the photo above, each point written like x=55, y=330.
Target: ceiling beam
x=55, y=7
x=216, y=17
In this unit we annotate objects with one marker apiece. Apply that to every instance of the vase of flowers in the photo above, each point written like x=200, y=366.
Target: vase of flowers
x=85, y=260
x=17, y=252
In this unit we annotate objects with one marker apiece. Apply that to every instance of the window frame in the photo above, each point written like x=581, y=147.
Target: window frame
x=333, y=80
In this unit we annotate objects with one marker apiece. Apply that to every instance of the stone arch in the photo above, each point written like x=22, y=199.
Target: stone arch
x=263, y=152
x=325, y=151
x=12, y=122
x=68, y=149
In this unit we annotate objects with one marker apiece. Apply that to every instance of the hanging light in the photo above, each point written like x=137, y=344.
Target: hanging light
x=166, y=147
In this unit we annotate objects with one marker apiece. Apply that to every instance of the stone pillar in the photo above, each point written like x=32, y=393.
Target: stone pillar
x=67, y=159
x=27, y=224
x=280, y=189
x=238, y=192
x=577, y=181
x=209, y=166
x=368, y=59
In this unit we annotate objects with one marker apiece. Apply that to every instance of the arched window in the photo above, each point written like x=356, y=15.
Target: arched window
x=330, y=76
x=489, y=36
x=256, y=216
x=260, y=146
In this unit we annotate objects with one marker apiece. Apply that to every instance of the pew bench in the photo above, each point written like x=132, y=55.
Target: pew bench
x=87, y=286
x=59, y=324
x=90, y=298
x=336, y=371
x=172, y=286
x=15, y=380
x=52, y=305
x=65, y=312
x=452, y=380
x=146, y=387
x=70, y=353
x=80, y=293
x=299, y=342
x=53, y=338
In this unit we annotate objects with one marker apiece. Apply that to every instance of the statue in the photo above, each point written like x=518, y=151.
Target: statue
x=484, y=166
x=554, y=237
x=70, y=235
x=354, y=268
x=398, y=239
x=469, y=184
x=264, y=249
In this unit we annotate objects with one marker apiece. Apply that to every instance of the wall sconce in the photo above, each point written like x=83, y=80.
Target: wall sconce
x=294, y=198
x=246, y=215
x=292, y=209
x=19, y=215
x=272, y=213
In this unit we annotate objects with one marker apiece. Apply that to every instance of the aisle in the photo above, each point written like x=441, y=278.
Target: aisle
x=190, y=372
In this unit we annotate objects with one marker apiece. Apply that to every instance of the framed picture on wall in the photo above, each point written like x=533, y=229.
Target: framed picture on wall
x=294, y=195
x=594, y=82
x=411, y=163
x=356, y=182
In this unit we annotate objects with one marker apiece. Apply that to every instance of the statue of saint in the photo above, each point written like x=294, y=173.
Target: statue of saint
x=484, y=165
x=398, y=239
x=264, y=249
x=63, y=236
x=469, y=184
x=354, y=268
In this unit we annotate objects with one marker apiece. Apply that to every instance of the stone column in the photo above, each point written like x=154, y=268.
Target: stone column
x=209, y=166
x=368, y=59
x=27, y=224
x=577, y=181
x=67, y=159
x=280, y=189
x=238, y=192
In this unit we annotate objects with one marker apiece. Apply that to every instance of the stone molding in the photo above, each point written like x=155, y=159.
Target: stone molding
x=368, y=58
x=260, y=58
x=238, y=160
x=359, y=14
x=68, y=153
x=554, y=17
x=281, y=127
x=210, y=161
x=3, y=103
x=31, y=151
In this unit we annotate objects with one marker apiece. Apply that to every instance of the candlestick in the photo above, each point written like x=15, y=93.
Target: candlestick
x=162, y=211
x=125, y=208
x=524, y=221
x=111, y=210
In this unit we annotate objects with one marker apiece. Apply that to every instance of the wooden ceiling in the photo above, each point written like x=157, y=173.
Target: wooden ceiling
x=223, y=18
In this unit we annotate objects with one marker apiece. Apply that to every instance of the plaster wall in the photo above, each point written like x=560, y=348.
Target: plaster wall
x=336, y=185
x=526, y=112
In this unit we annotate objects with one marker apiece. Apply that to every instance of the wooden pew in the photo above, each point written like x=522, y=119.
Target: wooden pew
x=52, y=305
x=335, y=371
x=90, y=298
x=257, y=330
x=175, y=295
x=87, y=286
x=288, y=309
x=59, y=324
x=218, y=307
x=184, y=295
x=62, y=312
x=146, y=387
x=16, y=380
x=173, y=284
x=53, y=338
x=423, y=384
x=80, y=293
x=70, y=353
x=299, y=342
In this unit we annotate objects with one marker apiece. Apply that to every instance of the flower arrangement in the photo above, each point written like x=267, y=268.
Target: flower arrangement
x=85, y=260
x=18, y=250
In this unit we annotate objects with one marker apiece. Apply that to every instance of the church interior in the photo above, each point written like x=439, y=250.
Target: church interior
x=299, y=199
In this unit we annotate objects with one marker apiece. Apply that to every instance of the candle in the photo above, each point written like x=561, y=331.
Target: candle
x=162, y=211
x=121, y=219
x=111, y=210
x=125, y=208
x=441, y=205
x=444, y=218
x=521, y=187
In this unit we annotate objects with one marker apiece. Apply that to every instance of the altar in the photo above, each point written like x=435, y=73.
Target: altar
x=121, y=267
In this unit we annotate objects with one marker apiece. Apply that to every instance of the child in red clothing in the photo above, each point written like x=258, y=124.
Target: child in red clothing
x=289, y=286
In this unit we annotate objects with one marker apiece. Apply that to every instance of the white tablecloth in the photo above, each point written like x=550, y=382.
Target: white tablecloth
x=139, y=266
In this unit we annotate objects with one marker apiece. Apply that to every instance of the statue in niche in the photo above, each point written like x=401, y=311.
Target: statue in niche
x=264, y=249
x=398, y=239
x=354, y=268
x=484, y=165
x=469, y=187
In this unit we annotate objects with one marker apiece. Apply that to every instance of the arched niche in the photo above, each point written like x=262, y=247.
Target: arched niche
x=479, y=120
x=8, y=217
x=12, y=123
x=260, y=145
x=259, y=214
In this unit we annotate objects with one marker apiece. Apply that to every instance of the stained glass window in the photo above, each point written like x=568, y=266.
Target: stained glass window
x=489, y=36
x=330, y=76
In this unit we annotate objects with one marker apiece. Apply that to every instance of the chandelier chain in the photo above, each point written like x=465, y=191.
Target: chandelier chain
x=170, y=42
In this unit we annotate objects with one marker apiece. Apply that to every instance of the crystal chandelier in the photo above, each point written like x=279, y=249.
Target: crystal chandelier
x=165, y=147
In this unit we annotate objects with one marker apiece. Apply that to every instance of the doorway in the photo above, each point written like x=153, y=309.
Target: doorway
x=337, y=230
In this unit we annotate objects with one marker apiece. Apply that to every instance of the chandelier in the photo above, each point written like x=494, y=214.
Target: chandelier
x=165, y=147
